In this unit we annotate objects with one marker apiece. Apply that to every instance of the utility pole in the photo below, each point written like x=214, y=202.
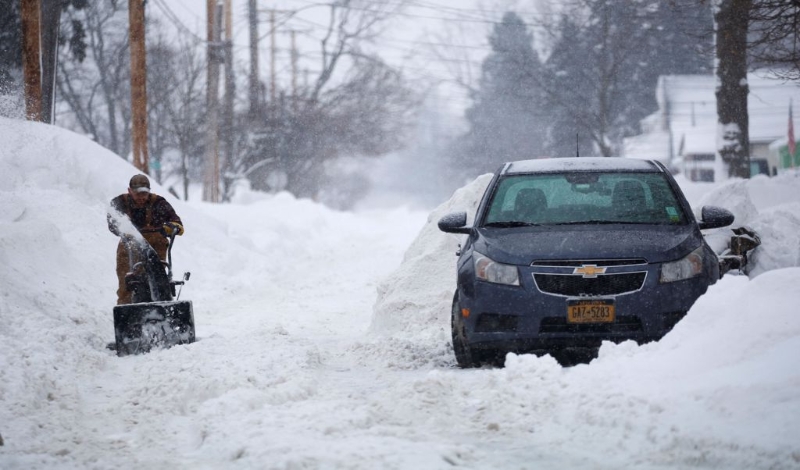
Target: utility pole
x=31, y=58
x=211, y=174
x=253, y=16
x=51, y=15
x=294, y=70
x=138, y=85
x=273, y=53
x=230, y=90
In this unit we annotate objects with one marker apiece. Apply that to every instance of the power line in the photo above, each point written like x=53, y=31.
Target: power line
x=431, y=6
x=173, y=18
x=412, y=15
x=409, y=50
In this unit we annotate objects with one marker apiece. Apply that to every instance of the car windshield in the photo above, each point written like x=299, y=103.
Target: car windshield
x=583, y=198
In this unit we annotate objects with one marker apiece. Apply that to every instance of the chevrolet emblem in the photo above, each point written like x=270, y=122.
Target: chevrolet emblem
x=589, y=270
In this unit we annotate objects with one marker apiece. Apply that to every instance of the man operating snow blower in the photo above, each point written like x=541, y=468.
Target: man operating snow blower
x=152, y=216
x=147, y=314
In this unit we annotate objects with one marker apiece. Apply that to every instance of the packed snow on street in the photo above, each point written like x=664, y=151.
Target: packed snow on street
x=324, y=341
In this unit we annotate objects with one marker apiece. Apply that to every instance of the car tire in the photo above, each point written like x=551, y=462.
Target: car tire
x=463, y=353
x=468, y=357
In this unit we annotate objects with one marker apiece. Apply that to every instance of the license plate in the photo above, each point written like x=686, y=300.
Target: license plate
x=590, y=311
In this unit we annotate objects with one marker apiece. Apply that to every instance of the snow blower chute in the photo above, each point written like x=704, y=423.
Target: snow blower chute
x=156, y=318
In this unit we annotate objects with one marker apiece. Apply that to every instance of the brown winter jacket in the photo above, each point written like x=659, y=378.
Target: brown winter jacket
x=151, y=217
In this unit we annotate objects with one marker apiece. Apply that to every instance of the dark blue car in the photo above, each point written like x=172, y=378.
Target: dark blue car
x=566, y=253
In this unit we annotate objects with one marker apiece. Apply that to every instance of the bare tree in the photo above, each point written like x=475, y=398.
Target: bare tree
x=604, y=64
x=774, y=35
x=355, y=105
x=175, y=104
x=95, y=93
x=187, y=114
x=161, y=85
x=452, y=49
x=351, y=22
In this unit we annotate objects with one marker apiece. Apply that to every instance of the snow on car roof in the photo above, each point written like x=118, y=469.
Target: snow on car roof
x=555, y=165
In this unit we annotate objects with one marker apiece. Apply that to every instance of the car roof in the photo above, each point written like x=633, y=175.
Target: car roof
x=560, y=165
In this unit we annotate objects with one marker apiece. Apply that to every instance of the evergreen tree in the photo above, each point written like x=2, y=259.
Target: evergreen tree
x=676, y=39
x=567, y=93
x=506, y=117
x=603, y=70
x=684, y=42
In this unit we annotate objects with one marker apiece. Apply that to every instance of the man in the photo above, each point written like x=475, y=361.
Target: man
x=152, y=216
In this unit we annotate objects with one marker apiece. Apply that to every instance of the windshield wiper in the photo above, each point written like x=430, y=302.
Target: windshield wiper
x=510, y=223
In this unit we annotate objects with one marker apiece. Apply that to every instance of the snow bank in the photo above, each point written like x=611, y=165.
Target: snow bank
x=717, y=392
x=57, y=261
x=767, y=205
x=416, y=298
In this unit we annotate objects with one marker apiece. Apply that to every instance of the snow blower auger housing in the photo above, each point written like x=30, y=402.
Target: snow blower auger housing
x=156, y=318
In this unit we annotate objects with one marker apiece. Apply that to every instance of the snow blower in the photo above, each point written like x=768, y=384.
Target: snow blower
x=156, y=319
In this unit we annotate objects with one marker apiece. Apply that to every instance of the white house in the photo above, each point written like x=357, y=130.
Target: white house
x=683, y=132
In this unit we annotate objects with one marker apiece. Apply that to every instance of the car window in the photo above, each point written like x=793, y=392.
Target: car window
x=573, y=198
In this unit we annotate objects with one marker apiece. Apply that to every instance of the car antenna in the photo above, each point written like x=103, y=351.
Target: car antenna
x=577, y=149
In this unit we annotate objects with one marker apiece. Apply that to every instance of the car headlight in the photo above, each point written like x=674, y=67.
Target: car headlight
x=689, y=266
x=487, y=269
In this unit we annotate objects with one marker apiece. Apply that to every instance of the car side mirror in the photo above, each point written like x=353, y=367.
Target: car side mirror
x=455, y=222
x=715, y=217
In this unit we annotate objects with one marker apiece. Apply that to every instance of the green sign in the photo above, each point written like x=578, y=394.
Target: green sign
x=786, y=159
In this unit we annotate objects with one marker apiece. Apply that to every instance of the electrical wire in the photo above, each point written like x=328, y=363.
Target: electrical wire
x=173, y=18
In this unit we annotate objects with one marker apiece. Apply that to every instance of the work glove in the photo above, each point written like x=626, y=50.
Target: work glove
x=172, y=228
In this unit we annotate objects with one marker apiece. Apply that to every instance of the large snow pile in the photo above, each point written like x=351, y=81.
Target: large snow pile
x=413, y=298
x=771, y=207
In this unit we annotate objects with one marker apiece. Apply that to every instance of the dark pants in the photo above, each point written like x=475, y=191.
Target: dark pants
x=157, y=241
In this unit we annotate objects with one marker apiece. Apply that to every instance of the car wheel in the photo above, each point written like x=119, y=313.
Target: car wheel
x=466, y=356
x=463, y=353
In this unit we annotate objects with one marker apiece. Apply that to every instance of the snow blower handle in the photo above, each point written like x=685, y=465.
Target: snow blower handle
x=169, y=230
x=171, y=238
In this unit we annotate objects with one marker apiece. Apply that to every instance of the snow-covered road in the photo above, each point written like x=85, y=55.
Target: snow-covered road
x=324, y=344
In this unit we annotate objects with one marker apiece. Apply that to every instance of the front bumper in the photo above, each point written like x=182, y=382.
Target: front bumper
x=524, y=318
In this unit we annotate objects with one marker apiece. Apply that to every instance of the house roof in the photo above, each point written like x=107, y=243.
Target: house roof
x=689, y=101
x=688, y=104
